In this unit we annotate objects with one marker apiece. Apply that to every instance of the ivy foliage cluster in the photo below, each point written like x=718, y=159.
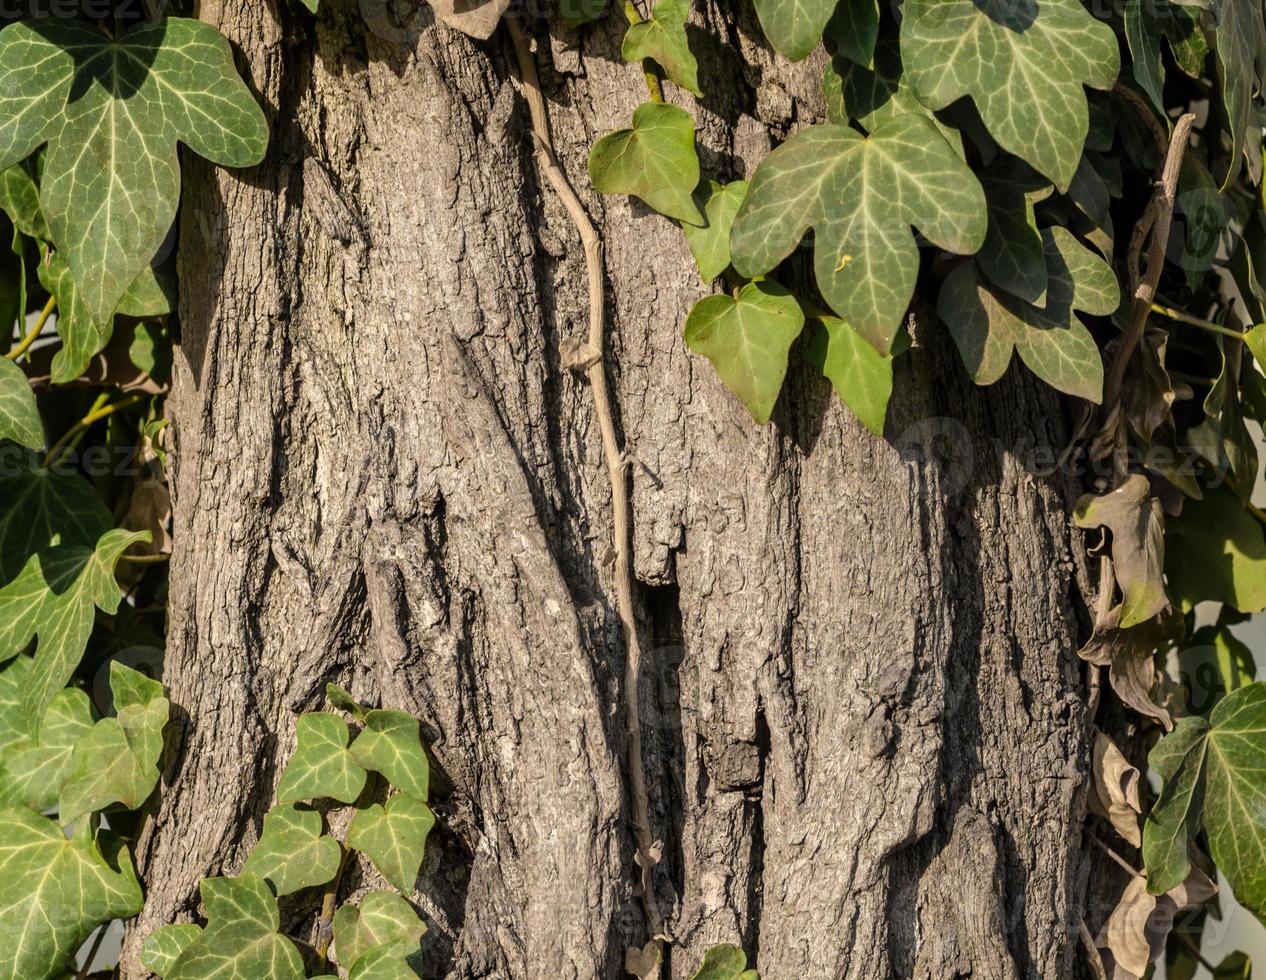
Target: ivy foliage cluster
x=1010, y=172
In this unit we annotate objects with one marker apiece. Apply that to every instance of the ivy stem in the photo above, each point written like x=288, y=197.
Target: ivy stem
x=1195, y=951
x=654, y=84
x=145, y=559
x=99, y=411
x=594, y=367
x=1114, y=855
x=325, y=925
x=33, y=334
x=1195, y=321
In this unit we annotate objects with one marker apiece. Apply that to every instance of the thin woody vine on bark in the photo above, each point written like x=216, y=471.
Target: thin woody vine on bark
x=1037, y=173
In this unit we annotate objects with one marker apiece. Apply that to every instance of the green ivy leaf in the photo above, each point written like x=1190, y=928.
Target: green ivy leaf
x=1212, y=777
x=1147, y=23
x=710, y=243
x=343, y=700
x=854, y=29
x=32, y=771
x=1024, y=64
x=861, y=195
x=20, y=199
x=794, y=27
x=860, y=375
x=391, y=743
x=1137, y=524
x=725, y=962
x=1236, y=966
x=55, y=891
x=988, y=326
x=322, y=766
x=382, y=918
x=748, y=339
x=311, y=4
x=1240, y=35
x=394, y=838
x=1215, y=551
x=663, y=40
x=241, y=938
x=1013, y=257
x=112, y=111
x=54, y=599
x=163, y=947
x=394, y=961
x=578, y=12
x=292, y=853
x=1233, y=658
x=655, y=160
x=45, y=507
x=117, y=760
x=19, y=416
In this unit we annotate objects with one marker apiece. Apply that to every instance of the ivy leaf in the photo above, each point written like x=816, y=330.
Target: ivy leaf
x=725, y=962
x=382, y=918
x=116, y=761
x=654, y=160
x=1134, y=517
x=241, y=937
x=163, y=947
x=1130, y=656
x=19, y=416
x=32, y=771
x=710, y=243
x=20, y=199
x=44, y=507
x=391, y=743
x=794, y=27
x=578, y=12
x=1147, y=22
x=861, y=195
x=1013, y=257
x=1234, y=660
x=860, y=375
x=854, y=29
x=394, y=838
x=55, y=598
x=1215, y=551
x=1024, y=64
x=1223, y=437
x=988, y=325
x=292, y=853
x=55, y=891
x=394, y=961
x=311, y=4
x=322, y=766
x=343, y=700
x=1240, y=35
x=1212, y=772
x=112, y=111
x=748, y=339
x=663, y=40
x=1236, y=966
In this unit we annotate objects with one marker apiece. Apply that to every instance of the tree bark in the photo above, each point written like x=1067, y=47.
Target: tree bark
x=865, y=728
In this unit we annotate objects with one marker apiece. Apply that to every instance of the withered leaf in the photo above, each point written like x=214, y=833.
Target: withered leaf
x=1128, y=655
x=1137, y=524
x=478, y=18
x=1116, y=790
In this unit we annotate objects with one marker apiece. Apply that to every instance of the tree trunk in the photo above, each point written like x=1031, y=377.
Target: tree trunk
x=865, y=733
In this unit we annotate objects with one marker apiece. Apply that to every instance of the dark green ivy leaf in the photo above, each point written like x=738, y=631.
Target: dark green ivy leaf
x=794, y=27
x=1240, y=35
x=1014, y=254
x=654, y=160
x=19, y=416
x=163, y=947
x=391, y=744
x=1147, y=24
x=44, y=507
x=577, y=12
x=112, y=111
x=854, y=29
x=861, y=195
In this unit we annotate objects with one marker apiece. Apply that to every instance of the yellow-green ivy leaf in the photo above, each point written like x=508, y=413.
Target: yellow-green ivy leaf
x=710, y=243
x=321, y=766
x=663, y=40
x=55, y=599
x=654, y=160
x=1215, y=551
x=988, y=325
x=112, y=111
x=393, y=961
x=391, y=744
x=860, y=375
x=1024, y=64
x=19, y=416
x=117, y=760
x=292, y=853
x=32, y=771
x=748, y=339
x=241, y=938
x=1137, y=524
x=725, y=962
x=55, y=891
x=381, y=918
x=163, y=947
x=393, y=837
x=861, y=194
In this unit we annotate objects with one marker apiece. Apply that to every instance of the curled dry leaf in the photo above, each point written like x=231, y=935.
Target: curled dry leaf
x=1134, y=517
x=1138, y=927
x=1116, y=790
x=478, y=18
x=1128, y=654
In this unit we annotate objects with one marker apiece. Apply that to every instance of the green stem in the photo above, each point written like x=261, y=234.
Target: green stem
x=1195, y=321
x=145, y=559
x=34, y=333
x=76, y=432
x=650, y=71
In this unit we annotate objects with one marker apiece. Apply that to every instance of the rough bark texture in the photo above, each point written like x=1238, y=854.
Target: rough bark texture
x=865, y=735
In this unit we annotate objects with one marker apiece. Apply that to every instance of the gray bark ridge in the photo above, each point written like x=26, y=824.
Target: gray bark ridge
x=864, y=719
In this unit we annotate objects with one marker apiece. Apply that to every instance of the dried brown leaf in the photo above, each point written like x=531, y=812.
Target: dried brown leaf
x=1116, y=790
x=1124, y=935
x=1135, y=519
x=1128, y=654
x=478, y=18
